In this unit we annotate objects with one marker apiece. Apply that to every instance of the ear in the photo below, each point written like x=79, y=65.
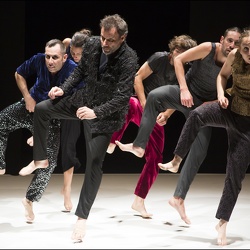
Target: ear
x=222, y=39
x=123, y=37
x=65, y=57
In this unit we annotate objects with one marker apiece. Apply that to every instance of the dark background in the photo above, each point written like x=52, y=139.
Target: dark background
x=27, y=25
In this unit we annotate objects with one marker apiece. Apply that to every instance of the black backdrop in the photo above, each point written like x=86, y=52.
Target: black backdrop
x=27, y=25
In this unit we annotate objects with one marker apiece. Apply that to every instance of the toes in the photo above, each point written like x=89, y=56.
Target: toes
x=79, y=231
x=2, y=171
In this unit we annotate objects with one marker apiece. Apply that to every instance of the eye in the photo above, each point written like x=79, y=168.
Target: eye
x=245, y=49
x=110, y=40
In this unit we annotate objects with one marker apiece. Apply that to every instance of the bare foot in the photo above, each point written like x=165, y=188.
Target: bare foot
x=178, y=204
x=67, y=199
x=79, y=231
x=2, y=171
x=169, y=167
x=138, y=151
x=33, y=166
x=138, y=205
x=172, y=166
x=111, y=148
x=28, y=206
x=30, y=141
x=221, y=229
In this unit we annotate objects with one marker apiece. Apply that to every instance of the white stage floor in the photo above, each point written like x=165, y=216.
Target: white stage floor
x=112, y=223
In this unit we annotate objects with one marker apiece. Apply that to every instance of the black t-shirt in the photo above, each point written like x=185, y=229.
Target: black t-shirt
x=163, y=72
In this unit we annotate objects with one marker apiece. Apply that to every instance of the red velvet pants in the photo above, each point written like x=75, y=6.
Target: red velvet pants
x=153, y=150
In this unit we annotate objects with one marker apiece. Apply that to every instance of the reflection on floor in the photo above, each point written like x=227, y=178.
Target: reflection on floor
x=112, y=223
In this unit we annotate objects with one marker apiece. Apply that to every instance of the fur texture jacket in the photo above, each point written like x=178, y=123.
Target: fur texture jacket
x=107, y=93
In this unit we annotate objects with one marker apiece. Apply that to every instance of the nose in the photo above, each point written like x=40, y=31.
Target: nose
x=105, y=42
x=233, y=45
x=50, y=60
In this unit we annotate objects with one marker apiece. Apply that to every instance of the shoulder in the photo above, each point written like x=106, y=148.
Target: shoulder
x=127, y=57
x=195, y=53
x=125, y=52
x=203, y=49
x=33, y=64
x=91, y=44
x=93, y=40
x=160, y=54
x=70, y=63
x=207, y=46
x=36, y=59
x=39, y=56
x=129, y=49
x=67, y=41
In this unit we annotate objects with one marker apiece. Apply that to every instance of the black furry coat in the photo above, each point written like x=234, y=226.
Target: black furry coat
x=107, y=94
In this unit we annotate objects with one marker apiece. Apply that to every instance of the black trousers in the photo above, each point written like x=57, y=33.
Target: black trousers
x=96, y=146
x=70, y=134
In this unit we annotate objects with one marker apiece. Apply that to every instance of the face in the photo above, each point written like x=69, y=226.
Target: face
x=76, y=53
x=110, y=40
x=229, y=42
x=54, y=58
x=245, y=49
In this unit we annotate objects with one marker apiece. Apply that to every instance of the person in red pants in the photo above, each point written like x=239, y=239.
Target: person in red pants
x=157, y=71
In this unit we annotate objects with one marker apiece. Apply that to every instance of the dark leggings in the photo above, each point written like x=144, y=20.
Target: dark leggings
x=238, y=157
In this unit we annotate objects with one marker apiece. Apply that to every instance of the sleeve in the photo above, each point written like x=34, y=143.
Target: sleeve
x=156, y=60
x=29, y=67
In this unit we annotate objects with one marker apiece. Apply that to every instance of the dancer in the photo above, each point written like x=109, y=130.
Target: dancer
x=108, y=66
x=51, y=68
x=157, y=71
x=197, y=87
x=233, y=114
x=75, y=43
x=70, y=129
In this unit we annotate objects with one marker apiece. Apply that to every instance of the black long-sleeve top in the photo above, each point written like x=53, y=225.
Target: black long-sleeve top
x=107, y=93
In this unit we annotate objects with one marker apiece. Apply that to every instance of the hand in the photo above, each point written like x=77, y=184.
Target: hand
x=223, y=102
x=54, y=92
x=30, y=103
x=85, y=113
x=162, y=119
x=186, y=98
